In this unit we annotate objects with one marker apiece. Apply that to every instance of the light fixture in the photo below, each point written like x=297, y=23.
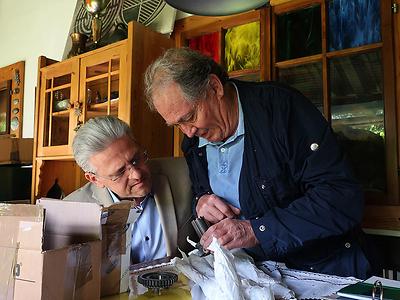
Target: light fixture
x=216, y=7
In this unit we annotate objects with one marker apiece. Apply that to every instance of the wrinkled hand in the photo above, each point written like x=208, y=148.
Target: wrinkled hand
x=230, y=234
x=214, y=209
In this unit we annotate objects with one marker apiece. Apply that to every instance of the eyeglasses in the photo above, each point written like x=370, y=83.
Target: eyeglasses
x=138, y=160
x=190, y=117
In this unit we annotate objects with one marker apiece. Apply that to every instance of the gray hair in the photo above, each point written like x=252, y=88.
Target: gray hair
x=188, y=68
x=95, y=136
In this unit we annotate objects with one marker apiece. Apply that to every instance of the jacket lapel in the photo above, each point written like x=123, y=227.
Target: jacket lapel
x=102, y=196
x=166, y=211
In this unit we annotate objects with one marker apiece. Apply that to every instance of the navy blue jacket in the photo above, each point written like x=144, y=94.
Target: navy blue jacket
x=304, y=205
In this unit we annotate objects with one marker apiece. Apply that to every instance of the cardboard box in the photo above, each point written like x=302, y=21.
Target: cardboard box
x=16, y=150
x=31, y=270
x=116, y=247
x=113, y=226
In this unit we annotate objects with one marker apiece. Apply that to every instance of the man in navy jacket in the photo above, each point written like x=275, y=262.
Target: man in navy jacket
x=291, y=196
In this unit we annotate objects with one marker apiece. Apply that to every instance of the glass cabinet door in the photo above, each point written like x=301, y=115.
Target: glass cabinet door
x=235, y=47
x=100, y=84
x=339, y=59
x=57, y=115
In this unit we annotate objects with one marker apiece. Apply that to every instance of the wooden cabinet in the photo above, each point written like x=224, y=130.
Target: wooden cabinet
x=58, y=90
x=105, y=81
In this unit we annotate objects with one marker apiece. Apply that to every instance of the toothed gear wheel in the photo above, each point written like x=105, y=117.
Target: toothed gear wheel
x=157, y=280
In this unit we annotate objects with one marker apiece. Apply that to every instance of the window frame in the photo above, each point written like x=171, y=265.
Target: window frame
x=391, y=196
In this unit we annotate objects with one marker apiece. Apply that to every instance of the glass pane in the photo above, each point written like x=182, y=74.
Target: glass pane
x=61, y=100
x=358, y=114
x=65, y=79
x=353, y=23
x=299, y=33
x=5, y=99
x=307, y=79
x=58, y=81
x=242, y=47
x=97, y=91
x=115, y=64
x=57, y=118
x=98, y=94
x=208, y=44
x=97, y=70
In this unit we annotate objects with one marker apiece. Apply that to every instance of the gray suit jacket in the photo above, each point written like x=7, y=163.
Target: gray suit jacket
x=172, y=193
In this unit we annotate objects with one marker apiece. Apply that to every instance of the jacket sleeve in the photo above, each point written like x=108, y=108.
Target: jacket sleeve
x=330, y=202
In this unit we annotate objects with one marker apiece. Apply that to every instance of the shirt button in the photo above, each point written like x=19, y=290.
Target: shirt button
x=314, y=147
x=223, y=150
x=263, y=186
x=262, y=228
x=347, y=245
x=146, y=238
x=311, y=268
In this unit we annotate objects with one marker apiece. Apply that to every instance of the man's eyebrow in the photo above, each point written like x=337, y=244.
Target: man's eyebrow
x=119, y=171
x=182, y=119
x=122, y=168
x=186, y=117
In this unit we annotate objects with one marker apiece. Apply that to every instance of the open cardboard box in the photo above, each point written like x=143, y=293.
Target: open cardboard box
x=31, y=268
x=73, y=222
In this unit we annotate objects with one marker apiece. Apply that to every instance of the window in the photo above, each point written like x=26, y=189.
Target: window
x=338, y=54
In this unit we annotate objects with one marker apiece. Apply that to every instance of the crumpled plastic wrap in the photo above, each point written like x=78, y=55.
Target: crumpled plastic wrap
x=229, y=275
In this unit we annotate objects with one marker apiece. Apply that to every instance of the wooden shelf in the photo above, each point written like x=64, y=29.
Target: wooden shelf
x=62, y=113
x=103, y=106
x=59, y=87
x=102, y=76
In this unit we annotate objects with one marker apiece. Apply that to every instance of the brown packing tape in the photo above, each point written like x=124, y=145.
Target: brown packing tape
x=114, y=238
x=78, y=269
x=22, y=210
x=111, y=275
x=113, y=245
x=72, y=272
x=114, y=230
x=118, y=213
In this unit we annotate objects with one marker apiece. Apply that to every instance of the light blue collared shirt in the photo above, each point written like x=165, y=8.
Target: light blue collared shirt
x=225, y=162
x=147, y=235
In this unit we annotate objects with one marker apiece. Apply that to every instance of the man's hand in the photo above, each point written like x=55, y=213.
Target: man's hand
x=214, y=209
x=231, y=234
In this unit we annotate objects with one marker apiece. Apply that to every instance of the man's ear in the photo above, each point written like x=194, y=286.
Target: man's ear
x=217, y=86
x=93, y=179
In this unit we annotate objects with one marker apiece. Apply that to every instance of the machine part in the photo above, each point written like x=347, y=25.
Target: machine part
x=200, y=225
x=157, y=280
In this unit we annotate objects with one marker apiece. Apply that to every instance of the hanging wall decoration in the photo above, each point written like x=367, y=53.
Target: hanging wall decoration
x=114, y=16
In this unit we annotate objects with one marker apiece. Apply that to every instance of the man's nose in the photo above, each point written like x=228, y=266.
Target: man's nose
x=133, y=172
x=188, y=129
